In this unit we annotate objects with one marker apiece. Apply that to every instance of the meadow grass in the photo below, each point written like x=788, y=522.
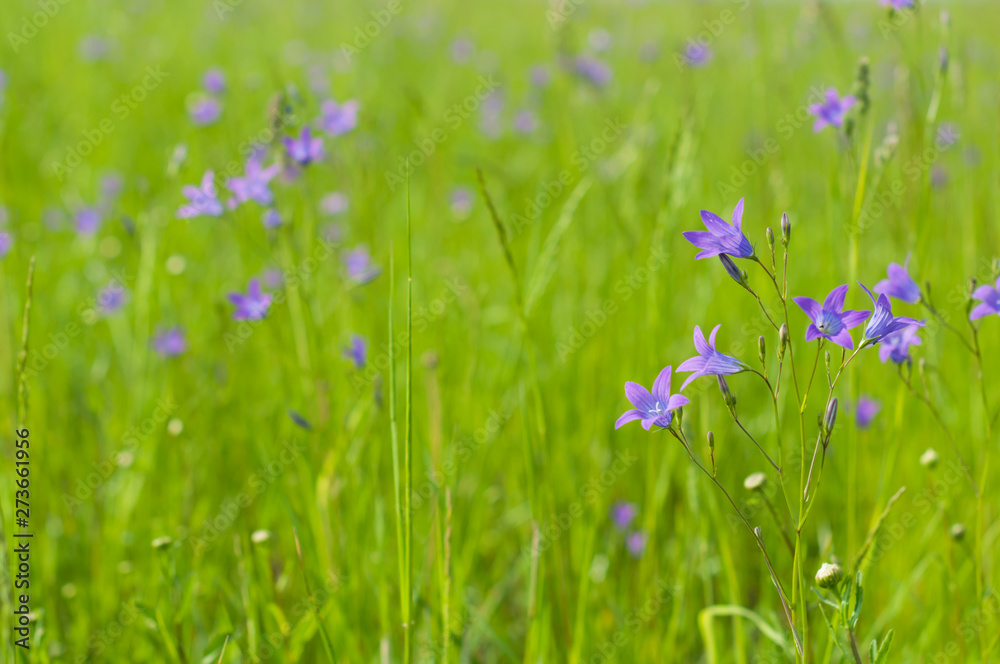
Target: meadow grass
x=260, y=499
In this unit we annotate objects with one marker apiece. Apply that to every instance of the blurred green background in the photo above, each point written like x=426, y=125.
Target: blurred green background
x=128, y=447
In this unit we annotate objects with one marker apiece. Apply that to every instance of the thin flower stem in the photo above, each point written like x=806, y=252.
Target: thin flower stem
x=925, y=300
x=744, y=429
x=980, y=571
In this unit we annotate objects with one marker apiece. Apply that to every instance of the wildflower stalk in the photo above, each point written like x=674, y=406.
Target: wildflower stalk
x=978, y=548
x=408, y=440
x=682, y=438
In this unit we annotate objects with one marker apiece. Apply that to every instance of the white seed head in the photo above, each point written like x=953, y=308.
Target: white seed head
x=929, y=459
x=162, y=542
x=957, y=532
x=755, y=482
x=829, y=575
x=260, y=536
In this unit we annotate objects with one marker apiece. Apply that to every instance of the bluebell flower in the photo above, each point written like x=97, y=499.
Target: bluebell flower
x=989, y=301
x=883, y=323
x=865, y=411
x=337, y=118
x=895, y=347
x=721, y=238
x=253, y=305
x=635, y=542
x=203, y=200
x=652, y=408
x=6, y=242
x=828, y=321
x=254, y=185
x=622, y=513
x=214, y=81
x=170, y=342
x=709, y=361
x=204, y=110
x=360, y=268
x=832, y=110
x=357, y=352
x=899, y=284
x=305, y=149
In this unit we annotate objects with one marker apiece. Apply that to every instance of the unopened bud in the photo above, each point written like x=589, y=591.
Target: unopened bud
x=769, y=236
x=829, y=575
x=761, y=348
x=738, y=275
x=957, y=532
x=826, y=360
x=727, y=394
x=943, y=60
x=755, y=482
x=711, y=440
x=929, y=459
x=786, y=229
x=782, y=340
x=831, y=416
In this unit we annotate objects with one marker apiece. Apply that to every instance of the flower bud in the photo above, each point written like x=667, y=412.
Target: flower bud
x=727, y=394
x=755, y=482
x=761, y=348
x=831, y=417
x=260, y=536
x=161, y=543
x=769, y=236
x=782, y=341
x=943, y=60
x=861, y=83
x=929, y=459
x=826, y=360
x=829, y=575
x=786, y=229
x=738, y=275
x=957, y=532
x=711, y=440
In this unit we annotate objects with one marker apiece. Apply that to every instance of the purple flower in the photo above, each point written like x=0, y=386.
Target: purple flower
x=203, y=200
x=305, y=149
x=939, y=176
x=333, y=203
x=525, y=122
x=112, y=298
x=697, y=54
x=111, y=186
x=896, y=346
x=461, y=202
x=865, y=411
x=828, y=321
x=622, y=513
x=540, y=76
x=652, y=408
x=170, y=342
x=204, y=111
x=831, y=111
x=357, y=352
x=721, y=238
x=635, y=542
x=708, y=361
x=337, y=118
x=883, y=323
x=360, y=268
x=88, y=220
x=989, y=301
x=897, y=4
x=253, y=305
x=270, y=218
x=273, y=278
x=461, y=50
x=94, y=48
x=214, y=81
x=595, y=71
x=6, y=242
x=899, y=284
x=255, y=183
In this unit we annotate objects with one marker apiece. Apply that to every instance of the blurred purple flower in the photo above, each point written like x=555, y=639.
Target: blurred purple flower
x=540, y=76
x=360, y=268
x=270, y=218
x=697, y=54
x=721, y=238
x=6, y=242
x=653, y=408
x=461, y=50
x=111, y=186
x=865, y=411
x=461, y=202
x=305, y=149
x=622, y=513
x=255, y=183
x=94, y=48
x=88, y=220
x=273, y=278
x=337, y=118
x=204, y=110
x=593, y=70
x=170, y=342
x=709, y=361
x=896, y=346
x=939, y=176
x=829, y=321
x=111, y=298
x=203, y=200
x=357, y=352
x=253, y=305
x=334, y=203
x=883, y=323
x=599, y=39
x=897, y=4
x=831, y=110
x=635, y=542
x=899, y=284
x=525, y=122
x=214, y=81
x=989, y=301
